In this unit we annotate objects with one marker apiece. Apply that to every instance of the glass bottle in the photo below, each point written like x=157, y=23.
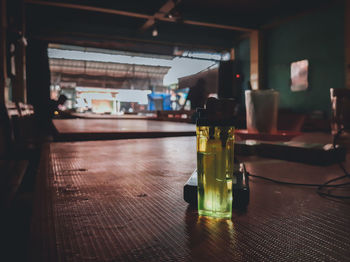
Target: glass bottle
x=215, y=160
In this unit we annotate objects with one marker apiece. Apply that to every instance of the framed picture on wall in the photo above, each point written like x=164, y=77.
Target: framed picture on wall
x=299, y=75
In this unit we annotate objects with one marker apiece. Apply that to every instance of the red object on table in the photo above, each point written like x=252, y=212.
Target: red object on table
x=281, y=135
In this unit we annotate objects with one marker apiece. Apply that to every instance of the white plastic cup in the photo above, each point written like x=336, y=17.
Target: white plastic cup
x=262, y=110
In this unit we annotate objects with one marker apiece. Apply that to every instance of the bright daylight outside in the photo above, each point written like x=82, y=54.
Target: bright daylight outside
x=116, y=83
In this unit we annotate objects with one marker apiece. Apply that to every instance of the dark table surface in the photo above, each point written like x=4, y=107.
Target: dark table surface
x=109, y=116
x=104, y=129
x=123, y=201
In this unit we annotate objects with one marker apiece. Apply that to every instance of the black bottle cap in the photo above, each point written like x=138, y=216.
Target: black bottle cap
x=218, y=112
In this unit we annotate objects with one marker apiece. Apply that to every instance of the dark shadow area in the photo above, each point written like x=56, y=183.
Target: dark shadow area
x=16, y=218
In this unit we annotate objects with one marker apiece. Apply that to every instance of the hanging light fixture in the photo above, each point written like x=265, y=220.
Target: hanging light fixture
x=155, y=32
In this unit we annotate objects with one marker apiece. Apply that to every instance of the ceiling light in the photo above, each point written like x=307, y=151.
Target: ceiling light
x=155, y=32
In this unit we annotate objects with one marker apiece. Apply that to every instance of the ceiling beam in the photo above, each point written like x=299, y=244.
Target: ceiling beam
x=88, y=8
x=162, y=12
x=121, y=43
x=137, y=15
x=211, y=25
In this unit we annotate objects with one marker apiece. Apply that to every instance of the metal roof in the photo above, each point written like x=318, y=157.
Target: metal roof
x=115, y=70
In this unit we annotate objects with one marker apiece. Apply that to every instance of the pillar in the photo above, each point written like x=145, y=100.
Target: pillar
x=256, y=70
x=3, y=53
x=347, y=44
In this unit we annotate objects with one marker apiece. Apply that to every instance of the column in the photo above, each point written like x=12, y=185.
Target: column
x=19, y=92
x=3, y=67
x=347, y=44
x=256, y=75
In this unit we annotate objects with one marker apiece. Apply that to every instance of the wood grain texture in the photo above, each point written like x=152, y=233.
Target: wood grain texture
x=123, y=201
x=104, y=129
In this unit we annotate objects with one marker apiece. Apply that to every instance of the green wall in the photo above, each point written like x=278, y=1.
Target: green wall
x=318, y=37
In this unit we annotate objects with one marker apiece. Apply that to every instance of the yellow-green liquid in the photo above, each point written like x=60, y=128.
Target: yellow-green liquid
x=215, y=159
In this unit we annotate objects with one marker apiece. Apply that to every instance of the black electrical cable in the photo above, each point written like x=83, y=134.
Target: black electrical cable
x=319, y=186
x=347, y=175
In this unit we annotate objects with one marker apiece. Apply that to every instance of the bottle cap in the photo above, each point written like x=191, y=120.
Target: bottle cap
x=218, y=112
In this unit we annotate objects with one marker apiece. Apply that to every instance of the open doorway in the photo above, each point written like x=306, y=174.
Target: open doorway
x=102, y=82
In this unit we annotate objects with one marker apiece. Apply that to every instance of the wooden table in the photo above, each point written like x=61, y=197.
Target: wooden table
x=107, y=116
x=105, y=129
x=122, y=200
